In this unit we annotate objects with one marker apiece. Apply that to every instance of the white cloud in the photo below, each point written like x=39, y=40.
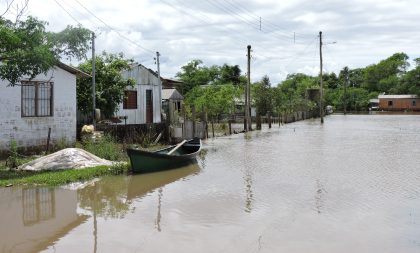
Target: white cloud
x=218, y=31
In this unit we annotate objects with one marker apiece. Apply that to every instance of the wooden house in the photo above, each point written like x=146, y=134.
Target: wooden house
x=399, y=102
x=142, y=103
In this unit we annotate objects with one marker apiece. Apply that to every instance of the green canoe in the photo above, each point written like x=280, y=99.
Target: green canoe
x=144, y=161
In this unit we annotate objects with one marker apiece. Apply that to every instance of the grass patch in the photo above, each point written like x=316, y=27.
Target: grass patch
x=54, y=178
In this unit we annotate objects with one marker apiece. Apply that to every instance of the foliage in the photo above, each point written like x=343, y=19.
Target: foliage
x=110, y=84
x=194, y=74
x=61, y=177
x=214, y=99
x=263, y=96
x=13, y=160
x=105, y=147
x=382, y=76
x=290, y=95
x=26, y=49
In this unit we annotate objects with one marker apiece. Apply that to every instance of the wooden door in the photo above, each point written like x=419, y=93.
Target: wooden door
x=149, y=106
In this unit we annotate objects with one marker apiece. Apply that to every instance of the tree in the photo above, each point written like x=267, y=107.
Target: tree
x=195, y=74
x=383, y=76
x=27, y=49
x=263, y=96
x=110, y=84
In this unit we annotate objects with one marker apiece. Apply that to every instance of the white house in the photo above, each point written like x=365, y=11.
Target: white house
x=142, y=104
x=29, y=109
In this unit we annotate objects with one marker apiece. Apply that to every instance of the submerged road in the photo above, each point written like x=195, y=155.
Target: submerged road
x=350, y=185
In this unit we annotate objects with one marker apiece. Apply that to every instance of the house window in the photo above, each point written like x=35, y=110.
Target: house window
x=414, y=103
x=130, y=99
x=37, y=99
x=390, y=103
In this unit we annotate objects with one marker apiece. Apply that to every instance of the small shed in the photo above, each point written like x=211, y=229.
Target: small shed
x=399, y=102
x=172, y=102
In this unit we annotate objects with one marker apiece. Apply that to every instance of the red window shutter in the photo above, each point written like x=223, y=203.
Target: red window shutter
x=130, y=99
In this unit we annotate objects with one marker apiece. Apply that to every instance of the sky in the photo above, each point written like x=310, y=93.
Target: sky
x=283, y=34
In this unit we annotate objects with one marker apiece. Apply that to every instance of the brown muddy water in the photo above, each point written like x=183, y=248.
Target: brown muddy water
x=351, y=185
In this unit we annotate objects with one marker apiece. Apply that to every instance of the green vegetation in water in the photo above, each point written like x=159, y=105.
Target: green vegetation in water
x=61, y=177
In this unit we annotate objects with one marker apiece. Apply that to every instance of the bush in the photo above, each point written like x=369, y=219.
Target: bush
x=13, y=160
x=105, y=147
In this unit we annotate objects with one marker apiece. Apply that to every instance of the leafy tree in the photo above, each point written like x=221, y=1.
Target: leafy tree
x=27, y=49
x=110, y=84
x=263, y=96
x=214, y=99
x=383, y=76
x=195, y=74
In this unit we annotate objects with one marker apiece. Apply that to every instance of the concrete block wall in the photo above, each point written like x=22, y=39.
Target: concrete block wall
x=30, y=132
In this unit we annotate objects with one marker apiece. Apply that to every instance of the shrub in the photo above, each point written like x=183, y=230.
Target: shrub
x=13, y=160
x=105, y=147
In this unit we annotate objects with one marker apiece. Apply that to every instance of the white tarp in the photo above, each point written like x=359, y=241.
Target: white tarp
x=69, y=158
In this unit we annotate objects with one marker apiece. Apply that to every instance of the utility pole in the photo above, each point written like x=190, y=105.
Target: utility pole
x=260, y=23
x=93, y=81
x=158, y=73
x=248, y=92
x=346, y=82
x=321, y=109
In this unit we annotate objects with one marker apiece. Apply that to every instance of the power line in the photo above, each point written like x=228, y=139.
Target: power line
x=68, y=13
x=116, y=31
x=274, y=26
x=302, y=52
x=195, y=16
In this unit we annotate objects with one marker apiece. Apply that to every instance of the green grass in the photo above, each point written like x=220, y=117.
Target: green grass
x=54, y=178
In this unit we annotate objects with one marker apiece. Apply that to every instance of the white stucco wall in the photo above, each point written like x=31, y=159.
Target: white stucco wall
x=145, y=80
x=33, y=131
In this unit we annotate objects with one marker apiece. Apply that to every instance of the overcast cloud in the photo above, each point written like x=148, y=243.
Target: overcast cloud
x=218, y=31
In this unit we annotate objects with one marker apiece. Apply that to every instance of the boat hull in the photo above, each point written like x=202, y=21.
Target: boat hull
x=145, y=162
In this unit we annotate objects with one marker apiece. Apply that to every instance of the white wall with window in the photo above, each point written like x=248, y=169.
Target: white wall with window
x=29, y=109
x=142, y=103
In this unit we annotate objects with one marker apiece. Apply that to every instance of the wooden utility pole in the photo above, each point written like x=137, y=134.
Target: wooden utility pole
x=248, y=92
x=93, y=82
x=321, y=109
x=346, y=81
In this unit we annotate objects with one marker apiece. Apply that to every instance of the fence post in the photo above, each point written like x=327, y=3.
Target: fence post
x=193, y=120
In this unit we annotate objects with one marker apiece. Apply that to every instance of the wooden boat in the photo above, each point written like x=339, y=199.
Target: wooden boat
x=168, y=158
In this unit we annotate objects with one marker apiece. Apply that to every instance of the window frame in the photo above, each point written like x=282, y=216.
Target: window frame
x=125, y=101
x=37, y=98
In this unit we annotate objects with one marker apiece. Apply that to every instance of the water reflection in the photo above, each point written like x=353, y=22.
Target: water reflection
x=38, y=204
x=159, y=215
x=248, y=189
x=33, y=218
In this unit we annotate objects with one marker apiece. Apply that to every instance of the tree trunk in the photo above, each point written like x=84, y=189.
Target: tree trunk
x=212, y=127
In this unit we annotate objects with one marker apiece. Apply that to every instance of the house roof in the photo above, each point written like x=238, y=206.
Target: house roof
x=72, y=70
x=172, y=94
x=396, y=96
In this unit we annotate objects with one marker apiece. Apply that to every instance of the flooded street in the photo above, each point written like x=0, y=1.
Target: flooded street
x=351, y=185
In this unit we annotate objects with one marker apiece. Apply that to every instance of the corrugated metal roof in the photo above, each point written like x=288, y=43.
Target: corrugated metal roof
x=72, y=70
x=397, y=96
x=171, y=94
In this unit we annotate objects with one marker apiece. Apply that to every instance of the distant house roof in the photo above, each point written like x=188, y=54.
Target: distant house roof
x=374, y=101
x=396, y=96
x=172, y=94
x=168, y=83
x=72, y=70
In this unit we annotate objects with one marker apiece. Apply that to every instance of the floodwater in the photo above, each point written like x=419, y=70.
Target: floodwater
x=350, y=185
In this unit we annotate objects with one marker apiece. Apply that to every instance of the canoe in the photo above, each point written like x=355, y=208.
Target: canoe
x=144, y=161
